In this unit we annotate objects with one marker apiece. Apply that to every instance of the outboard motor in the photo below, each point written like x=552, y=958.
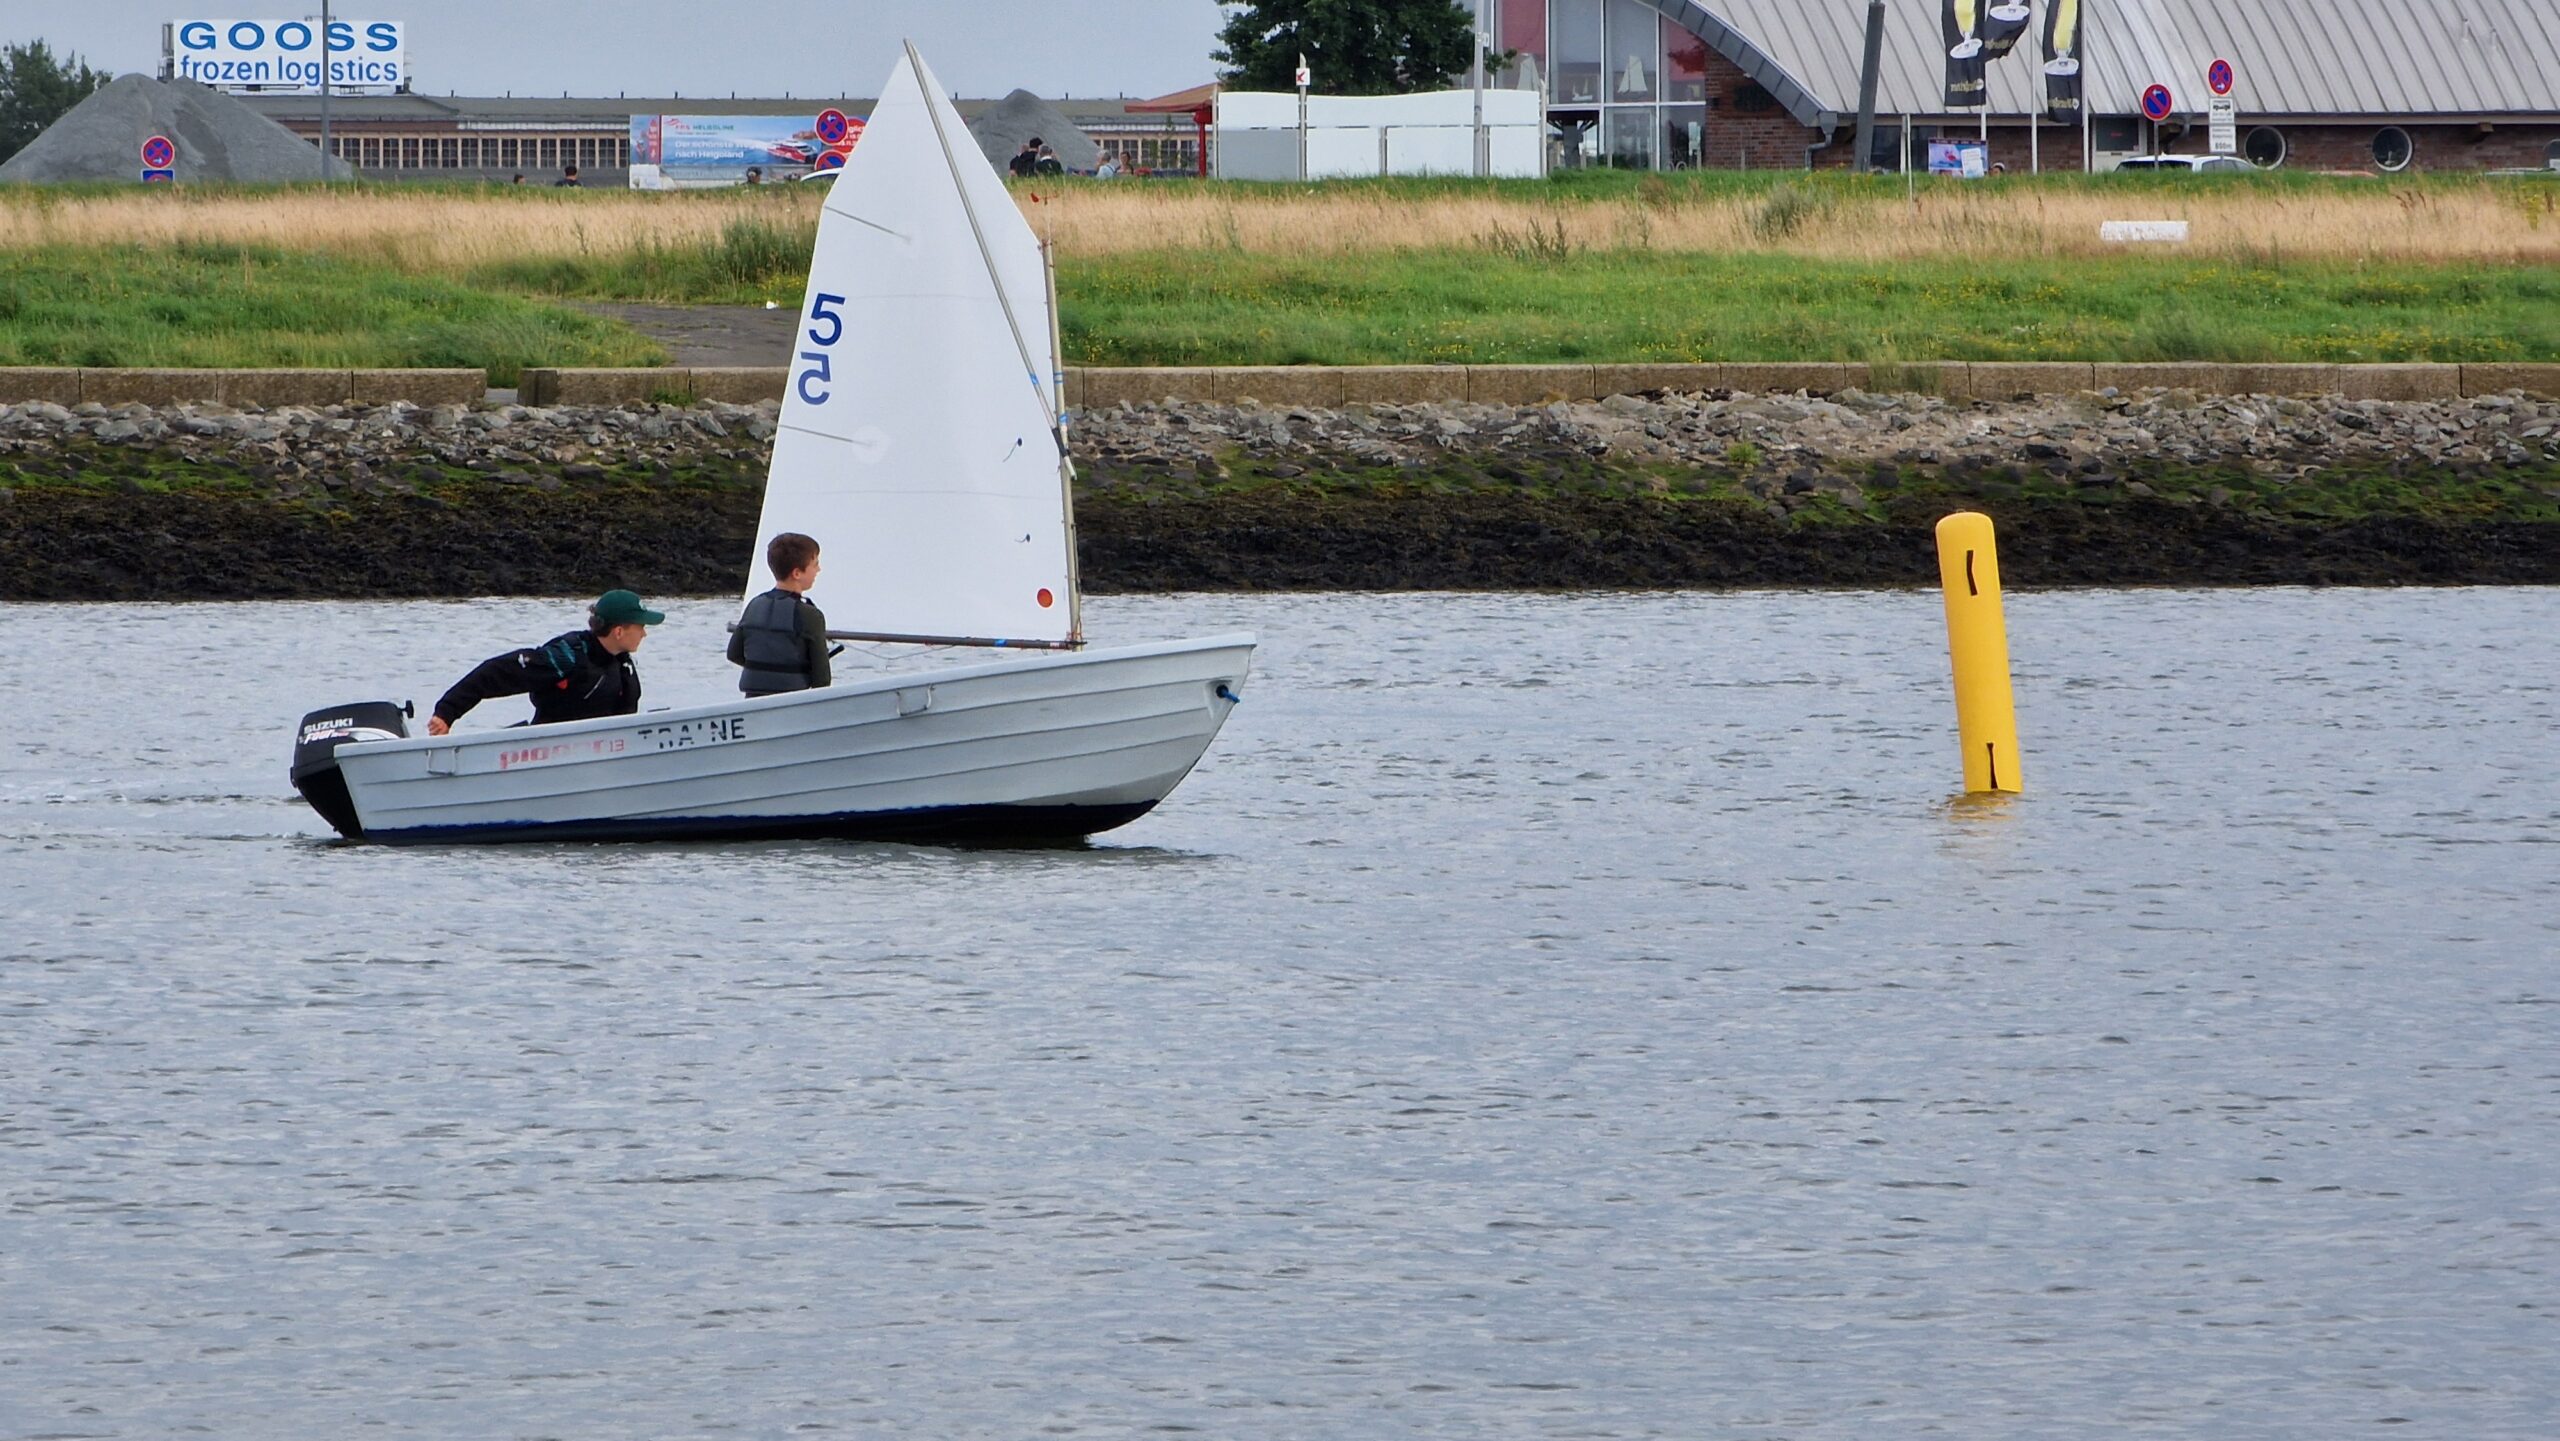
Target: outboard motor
x=315, y=755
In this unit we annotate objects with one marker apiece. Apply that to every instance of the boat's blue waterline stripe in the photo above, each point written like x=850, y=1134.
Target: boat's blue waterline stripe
x=984, y=824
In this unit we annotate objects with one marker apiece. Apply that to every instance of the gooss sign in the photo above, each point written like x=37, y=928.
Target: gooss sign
x=286, y=54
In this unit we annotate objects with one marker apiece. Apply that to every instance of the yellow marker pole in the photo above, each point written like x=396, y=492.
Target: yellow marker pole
x=1978, y=643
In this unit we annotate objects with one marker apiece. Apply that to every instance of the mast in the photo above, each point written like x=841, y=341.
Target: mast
x=1066, y=467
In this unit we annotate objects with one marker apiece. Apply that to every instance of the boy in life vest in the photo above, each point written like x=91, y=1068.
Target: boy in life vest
x=780, y=641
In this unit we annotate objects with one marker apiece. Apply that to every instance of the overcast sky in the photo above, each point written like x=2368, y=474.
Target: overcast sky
x=980, y=48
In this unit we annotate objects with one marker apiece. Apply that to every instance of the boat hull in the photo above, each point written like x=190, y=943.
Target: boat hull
x=1032, y=750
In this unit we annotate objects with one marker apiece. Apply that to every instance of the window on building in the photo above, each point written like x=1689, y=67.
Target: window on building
x=1627, y=136
x=1522, y=25
x=1887, y=151
x=371, y=156
x=1579, y=48
x=1635, y=53
x=1684, y=136
x=2551, y=155
x=1684, y=65
x=2391, y=148
x=409, y=156
x=1573, y=141
x=2265, y=147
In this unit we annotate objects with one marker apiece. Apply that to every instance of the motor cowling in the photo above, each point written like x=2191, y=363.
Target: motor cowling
x=315, y=754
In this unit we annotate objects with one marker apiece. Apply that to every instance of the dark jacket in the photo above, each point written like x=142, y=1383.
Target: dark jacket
x=570, y=677
x=781, y=640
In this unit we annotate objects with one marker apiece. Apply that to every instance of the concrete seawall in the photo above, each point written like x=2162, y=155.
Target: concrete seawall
x=267, y=389
x=1308, y=386
x=1330, y=387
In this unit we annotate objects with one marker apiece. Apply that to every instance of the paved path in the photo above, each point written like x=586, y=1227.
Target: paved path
x=710, y=334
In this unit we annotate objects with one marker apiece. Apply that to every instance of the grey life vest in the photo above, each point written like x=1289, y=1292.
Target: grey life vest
x=776, y=657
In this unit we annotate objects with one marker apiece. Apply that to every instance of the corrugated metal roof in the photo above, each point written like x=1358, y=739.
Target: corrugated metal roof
x=606, y=111
x=2301, y=58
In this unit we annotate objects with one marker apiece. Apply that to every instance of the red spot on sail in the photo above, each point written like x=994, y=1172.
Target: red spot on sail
x=1046, y=600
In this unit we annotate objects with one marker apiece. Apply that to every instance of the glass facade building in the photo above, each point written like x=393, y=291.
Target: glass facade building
x=1626, y=85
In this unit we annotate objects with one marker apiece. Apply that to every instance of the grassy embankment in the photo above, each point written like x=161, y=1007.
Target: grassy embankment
x=1586, y=267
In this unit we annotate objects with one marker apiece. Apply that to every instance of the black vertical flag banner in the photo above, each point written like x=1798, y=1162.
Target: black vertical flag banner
x=2063, y=57
x=2003, y=26
x=1966, y=86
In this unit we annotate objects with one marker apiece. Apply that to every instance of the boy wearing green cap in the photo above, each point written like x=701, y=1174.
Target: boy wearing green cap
x=578, y=676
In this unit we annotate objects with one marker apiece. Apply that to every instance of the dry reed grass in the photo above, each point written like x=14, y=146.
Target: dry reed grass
x=425, y=232
x=2486, y=223
x=447, y=232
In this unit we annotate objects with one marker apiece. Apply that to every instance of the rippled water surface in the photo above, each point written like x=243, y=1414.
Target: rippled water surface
x=1539, y=1017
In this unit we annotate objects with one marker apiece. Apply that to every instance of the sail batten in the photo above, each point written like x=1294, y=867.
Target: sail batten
x=920, y=440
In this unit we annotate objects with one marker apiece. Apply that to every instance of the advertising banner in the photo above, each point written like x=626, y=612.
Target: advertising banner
x=1966, y=82
x=690, y=152
x=285, y=54
x=1965, y=159
x=2062, y=57
x=2002, y=27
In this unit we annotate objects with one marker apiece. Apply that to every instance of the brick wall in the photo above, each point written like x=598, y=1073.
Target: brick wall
x=1745, y=130
x=2435, y=147
x=2308, y=146
x=2053, y=147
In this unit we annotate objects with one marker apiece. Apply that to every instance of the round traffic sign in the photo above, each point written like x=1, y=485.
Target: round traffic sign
x=158, y=153
x=2155, y=102
x=2218, y=77
x=831, y=160
x=832, y=126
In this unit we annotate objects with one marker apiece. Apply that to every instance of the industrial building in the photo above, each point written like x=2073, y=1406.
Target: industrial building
x=2380, y=86
x=411, y=136
x=2374, y=85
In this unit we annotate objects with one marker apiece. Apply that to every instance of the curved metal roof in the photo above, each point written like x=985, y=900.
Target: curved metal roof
x=2400, y=59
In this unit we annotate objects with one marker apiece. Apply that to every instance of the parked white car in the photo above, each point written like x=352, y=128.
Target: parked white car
x=2184, y=162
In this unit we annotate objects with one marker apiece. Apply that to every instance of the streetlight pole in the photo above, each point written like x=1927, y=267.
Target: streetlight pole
x=1484, y=145
x=328, y=162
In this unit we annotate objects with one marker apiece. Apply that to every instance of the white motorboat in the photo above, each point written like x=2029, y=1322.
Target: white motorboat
x=923, y=442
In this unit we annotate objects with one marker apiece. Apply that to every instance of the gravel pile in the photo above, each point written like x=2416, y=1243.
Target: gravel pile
x=1001, y=128
x=218, y=138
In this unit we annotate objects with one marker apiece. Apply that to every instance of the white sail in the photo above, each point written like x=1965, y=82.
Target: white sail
x=919, y=440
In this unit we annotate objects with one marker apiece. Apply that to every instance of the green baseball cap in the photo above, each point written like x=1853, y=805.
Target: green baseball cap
x=622, y=607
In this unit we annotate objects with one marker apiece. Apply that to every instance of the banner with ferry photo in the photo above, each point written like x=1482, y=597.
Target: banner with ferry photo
x=695, y=152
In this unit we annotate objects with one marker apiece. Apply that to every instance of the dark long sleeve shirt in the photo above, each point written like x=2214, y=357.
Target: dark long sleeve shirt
x=569, y=677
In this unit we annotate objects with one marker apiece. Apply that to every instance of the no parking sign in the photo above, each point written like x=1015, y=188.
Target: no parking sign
x=2156, y=103
x=159, y=160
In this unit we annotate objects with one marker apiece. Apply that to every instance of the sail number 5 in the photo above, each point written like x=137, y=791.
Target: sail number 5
x=819, y=371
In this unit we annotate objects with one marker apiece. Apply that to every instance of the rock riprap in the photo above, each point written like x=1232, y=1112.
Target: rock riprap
x=1652, y=489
